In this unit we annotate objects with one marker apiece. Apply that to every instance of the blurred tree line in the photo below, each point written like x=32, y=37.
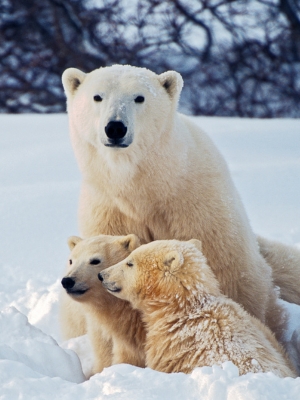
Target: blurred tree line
x=237, y=57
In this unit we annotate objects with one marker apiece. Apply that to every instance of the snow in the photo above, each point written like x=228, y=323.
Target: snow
x=39, y=188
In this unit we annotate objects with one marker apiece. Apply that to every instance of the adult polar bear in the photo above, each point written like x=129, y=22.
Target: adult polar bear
x=151, y=171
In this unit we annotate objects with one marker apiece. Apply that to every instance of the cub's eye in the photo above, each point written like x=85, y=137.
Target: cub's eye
x=97, y=97
x=95, y=261
x=129, y=264
x=139, y=99
x=70, y=262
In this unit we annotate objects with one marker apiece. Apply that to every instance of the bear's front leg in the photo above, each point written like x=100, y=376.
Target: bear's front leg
x=102, y=347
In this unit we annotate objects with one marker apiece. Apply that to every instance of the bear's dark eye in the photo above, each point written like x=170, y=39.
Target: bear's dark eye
x=139, y=99
x=97, y=97
x=129, y=264
x=95, y=261
x=70, y=262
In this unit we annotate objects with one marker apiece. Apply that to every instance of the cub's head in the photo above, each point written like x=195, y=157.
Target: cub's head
x=90, y=256
x=113, y=107
x=161, y=270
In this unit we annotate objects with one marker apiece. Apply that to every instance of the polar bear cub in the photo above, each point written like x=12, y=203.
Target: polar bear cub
x=189, y=322
x=115, y=330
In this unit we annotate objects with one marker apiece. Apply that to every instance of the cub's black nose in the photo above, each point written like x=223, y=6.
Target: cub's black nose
x=100, y=277
x=68, y=283
x=115, y=130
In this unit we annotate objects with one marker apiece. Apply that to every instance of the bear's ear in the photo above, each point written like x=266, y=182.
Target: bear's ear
x=130, y=242
x=196, y=243
x=72, y=78
x=73, y=241
x=172, y=82
x=174, y=260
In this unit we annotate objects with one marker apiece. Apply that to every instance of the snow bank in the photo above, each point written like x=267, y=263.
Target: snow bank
x=22, y=343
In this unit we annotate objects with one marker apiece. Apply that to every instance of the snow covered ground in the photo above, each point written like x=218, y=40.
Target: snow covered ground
x=39, y=187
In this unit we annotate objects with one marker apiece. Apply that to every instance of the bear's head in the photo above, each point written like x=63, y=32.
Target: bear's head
x=115, y=108
x=162, y=270
x=90, y=256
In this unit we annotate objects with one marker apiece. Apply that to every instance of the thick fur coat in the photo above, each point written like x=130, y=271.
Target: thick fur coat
x=189, y=322
x=285, y=262
x=115, y=330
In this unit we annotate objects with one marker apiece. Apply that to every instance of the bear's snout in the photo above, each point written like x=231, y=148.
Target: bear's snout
x=100, y=277
x=68, y=283
x=110, y=286
x=115, y=130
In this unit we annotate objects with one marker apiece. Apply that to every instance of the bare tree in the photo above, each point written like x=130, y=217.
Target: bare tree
x=246, y=60
x=237, y=57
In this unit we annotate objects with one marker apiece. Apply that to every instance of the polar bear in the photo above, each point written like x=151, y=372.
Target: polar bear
x=115, y=330
x=151, y=171
x=189, y=322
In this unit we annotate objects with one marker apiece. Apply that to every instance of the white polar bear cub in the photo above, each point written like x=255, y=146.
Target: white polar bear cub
x=115, y=330
x=151, y=171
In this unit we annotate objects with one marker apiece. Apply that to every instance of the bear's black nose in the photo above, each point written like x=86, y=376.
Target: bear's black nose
x=68, y=283
x=100, y=277
x=115, y=130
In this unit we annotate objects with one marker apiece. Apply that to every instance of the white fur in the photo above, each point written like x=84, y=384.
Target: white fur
x=169, y=183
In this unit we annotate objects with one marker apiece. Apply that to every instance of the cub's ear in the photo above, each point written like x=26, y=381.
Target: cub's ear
x=130, y=242
x=73, y=241
x=72, y=78
x=196, y=243
x=172, y=82
x=174, y=260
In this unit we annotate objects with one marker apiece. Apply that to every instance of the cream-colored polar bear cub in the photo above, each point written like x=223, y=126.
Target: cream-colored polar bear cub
x=115, y=330
x=189, y=322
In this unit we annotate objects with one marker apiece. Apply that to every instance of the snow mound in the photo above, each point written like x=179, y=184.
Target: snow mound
x=26, y=348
